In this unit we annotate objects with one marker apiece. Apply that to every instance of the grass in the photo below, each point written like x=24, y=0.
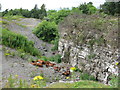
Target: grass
x=80, y=84
x=56, y=58
x=15, y=17
x=17, y=41
x=61, y=85
x=16, y=82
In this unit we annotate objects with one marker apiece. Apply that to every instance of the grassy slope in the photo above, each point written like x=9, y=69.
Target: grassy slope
x=81, y=84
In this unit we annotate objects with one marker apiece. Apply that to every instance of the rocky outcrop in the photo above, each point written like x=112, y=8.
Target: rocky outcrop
x=100, y=62
x=88, y=47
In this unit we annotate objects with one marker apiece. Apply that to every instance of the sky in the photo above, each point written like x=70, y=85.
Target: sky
x=50, y=4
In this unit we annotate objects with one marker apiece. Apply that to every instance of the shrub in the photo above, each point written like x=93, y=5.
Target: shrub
x=87, y=8
x=59, y=16
x=18, y=41
x=46, y=31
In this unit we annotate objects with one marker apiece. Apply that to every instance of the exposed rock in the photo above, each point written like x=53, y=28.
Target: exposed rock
x=97, y=58
x=102, y=64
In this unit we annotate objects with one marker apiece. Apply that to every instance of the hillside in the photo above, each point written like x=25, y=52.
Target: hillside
x=24, y=26
x=90, y=42
x=84, y=34
x=15, y=61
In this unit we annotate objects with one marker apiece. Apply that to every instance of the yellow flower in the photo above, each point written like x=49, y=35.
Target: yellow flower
x=67, y=77
x=73, y=68
x=16, y=75
x=117, y=63
x=38, y=77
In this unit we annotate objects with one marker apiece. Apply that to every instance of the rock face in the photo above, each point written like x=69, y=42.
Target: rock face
x=101, y=66
x=100, y=61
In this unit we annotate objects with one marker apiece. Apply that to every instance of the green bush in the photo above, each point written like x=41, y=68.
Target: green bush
x=88, y=8
x=46, y=31
x=18, y=41
x=58, y=16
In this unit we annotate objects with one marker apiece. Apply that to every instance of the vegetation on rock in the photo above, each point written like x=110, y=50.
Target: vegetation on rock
x=90, y=29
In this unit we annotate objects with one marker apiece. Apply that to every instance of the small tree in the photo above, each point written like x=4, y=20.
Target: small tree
x=87, y=8
x=34, y=12
x=110, y=8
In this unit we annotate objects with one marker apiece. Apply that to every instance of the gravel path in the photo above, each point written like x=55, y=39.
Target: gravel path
x=25, y=26
x=21, y=67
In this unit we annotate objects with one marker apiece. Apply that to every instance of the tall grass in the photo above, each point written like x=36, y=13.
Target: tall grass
x=18, y=41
